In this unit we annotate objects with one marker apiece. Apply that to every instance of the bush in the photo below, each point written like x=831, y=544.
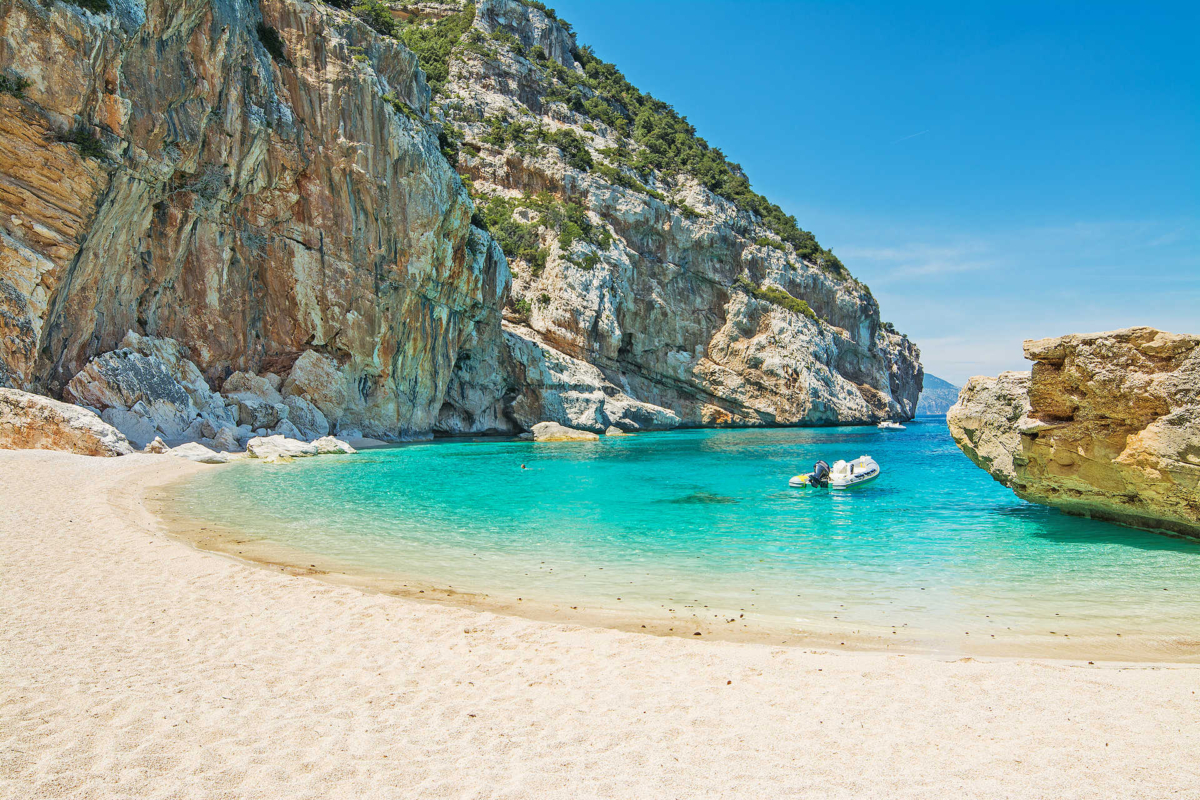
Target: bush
x=549, y=12
x=508, y=38
x=449, y=139
x=14, y=85
x=273, y=43
x=767, y=241
x=88, y=144
x=377, y=15
x=518, y=240
x=574, y=151
x=434, y=43
x=669, y=145
x=776, y=296
x=544, y=299
x=523, y=309
x=401, y=107
x=96, y=6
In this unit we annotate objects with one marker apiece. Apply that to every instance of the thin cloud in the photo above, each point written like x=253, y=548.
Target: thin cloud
x=910, y=136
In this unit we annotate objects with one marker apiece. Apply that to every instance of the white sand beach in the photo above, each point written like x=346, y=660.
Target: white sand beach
x=134, y=666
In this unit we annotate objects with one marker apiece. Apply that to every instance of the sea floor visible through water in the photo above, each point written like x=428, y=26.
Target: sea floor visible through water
x=696, y=533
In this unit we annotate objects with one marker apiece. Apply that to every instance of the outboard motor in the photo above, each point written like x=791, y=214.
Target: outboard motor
x=820, y=475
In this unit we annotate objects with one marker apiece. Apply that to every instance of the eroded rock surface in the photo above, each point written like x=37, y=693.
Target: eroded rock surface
x=222, y=219
x=1105, y=425
x=658, y=284
x=32, y=422
x=250, y=206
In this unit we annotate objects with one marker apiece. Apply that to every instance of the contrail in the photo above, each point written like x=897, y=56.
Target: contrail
x=910, y=136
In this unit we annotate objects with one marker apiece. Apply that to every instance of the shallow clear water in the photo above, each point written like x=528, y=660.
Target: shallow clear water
x=703, y=523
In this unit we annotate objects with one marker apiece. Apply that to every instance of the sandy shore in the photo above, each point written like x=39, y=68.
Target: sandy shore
x=132, y=665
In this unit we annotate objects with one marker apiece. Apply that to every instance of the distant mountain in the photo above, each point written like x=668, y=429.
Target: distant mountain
x=936, y=397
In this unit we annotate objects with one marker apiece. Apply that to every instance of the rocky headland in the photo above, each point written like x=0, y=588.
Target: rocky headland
x=222, y=221
x=1105, y=425
x=936, y=397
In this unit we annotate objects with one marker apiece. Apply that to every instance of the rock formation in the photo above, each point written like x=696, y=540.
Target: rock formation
x=553, y=432
x=226, y=219
x=1106, y=425
x=32, y=422
x=252, y=180
x=641, y=298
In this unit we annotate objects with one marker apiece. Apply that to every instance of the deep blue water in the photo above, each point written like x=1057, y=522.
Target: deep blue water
x=705, y=518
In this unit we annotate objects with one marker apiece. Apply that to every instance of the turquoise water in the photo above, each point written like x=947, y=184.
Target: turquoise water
x=703, y=524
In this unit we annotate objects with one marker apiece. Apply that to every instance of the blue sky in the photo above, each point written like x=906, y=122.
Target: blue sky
x=994, y=172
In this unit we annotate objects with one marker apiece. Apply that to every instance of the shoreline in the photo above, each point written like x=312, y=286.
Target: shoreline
x=162, y=498
x=132, y=664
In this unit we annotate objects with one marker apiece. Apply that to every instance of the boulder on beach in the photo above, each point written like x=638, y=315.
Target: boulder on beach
x=329, y=445
x=553, y=432
x=279, y=446
x=193, y=451
x=158, y=447
x=32, y=422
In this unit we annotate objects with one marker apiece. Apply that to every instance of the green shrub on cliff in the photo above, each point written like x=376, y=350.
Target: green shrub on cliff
x=434, y=43
x=377, y=15
x=523, y=309
x=574, y=151
x=767, y=241
x=518, y=240
x=776, y=296
x=670, y=145
x=89, y=145
x=95, y=6
x=14, y=85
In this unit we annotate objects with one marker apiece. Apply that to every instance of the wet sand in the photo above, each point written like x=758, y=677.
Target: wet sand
x=135, y=665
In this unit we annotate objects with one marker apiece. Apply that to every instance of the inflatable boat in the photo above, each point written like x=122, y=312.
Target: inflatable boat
x=842, y=475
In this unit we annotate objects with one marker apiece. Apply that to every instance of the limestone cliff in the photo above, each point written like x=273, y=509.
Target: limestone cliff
x=254, y=180
x=623, y=259
x=1106, y=425
x=221, y=218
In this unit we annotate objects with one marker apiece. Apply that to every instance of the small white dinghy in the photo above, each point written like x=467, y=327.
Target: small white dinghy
x=842, y=475
x=890, y=426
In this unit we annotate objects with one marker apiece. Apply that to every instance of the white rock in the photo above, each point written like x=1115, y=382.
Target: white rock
x=328, y=445
x=136, y=427
x=306, y=417
x=613, y=430
x=268, y=446
x=245, y=384
x=286, y=428
x=227, y=439
x=32, y=422
x=156, y=446
x=193, y=451
x=553, y=432
x=316, y=377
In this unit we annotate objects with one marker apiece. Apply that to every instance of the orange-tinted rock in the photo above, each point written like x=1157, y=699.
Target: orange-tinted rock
x=1106, y=426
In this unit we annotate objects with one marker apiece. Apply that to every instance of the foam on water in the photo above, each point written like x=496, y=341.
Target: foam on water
x=703, y=523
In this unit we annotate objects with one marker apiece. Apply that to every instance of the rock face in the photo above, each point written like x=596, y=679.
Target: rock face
x=32, y=422
x=253, y=206
x=235, y=217
x=676, y=298
x=1106, y=425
